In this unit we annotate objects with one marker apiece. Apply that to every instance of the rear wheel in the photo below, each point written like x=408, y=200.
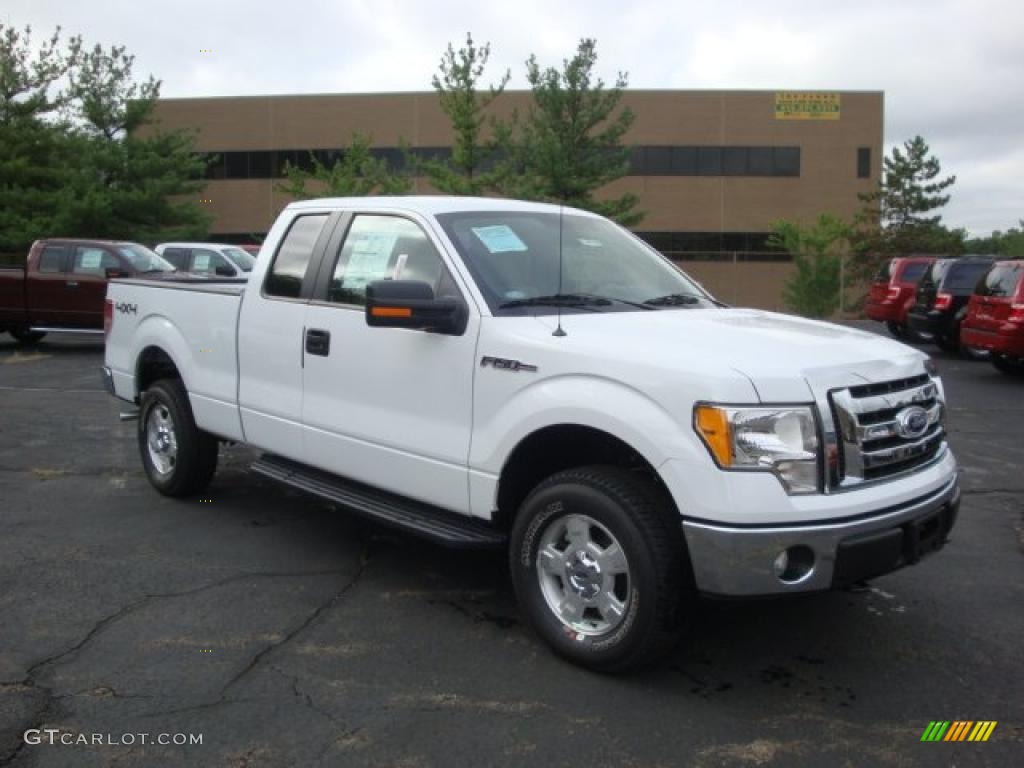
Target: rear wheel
x=947, y=343
x=1012, y=366
x=179, y=458
x=25, y=336
x=599, y=566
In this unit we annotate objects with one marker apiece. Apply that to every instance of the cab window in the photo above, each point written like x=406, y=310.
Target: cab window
x=284, y=279
x=93, y=261
x=51, y=260
x=206, y=262
x=380, y=247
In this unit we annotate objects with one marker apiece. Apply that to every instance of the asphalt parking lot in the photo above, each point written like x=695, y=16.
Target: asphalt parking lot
x=287, y=633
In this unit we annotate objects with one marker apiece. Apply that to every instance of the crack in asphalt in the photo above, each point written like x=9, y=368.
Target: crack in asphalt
x=257, y=659
x=29, y=681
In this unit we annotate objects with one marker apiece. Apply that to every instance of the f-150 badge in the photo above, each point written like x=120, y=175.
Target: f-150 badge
x=502, y=364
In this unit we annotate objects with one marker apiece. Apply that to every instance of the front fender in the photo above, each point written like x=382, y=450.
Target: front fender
x=584, y=400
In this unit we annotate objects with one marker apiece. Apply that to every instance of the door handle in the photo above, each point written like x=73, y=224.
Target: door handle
x=71, y=283
x=318, y=342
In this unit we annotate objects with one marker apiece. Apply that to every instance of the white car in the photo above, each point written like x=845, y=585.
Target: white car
x=497, y=373
x=211, y=259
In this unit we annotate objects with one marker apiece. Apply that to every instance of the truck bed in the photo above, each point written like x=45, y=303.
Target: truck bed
x=195, y=321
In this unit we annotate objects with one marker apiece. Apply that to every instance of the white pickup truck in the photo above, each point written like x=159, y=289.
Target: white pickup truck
x=497, y=373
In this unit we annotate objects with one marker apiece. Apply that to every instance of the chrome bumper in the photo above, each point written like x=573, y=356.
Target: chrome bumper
x=732, y=561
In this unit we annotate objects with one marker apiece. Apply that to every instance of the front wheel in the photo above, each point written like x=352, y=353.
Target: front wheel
x=896, y=330
x=179, y=458
x=600, y=569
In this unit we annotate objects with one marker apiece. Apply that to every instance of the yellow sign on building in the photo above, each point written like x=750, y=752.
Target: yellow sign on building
x=790, y=105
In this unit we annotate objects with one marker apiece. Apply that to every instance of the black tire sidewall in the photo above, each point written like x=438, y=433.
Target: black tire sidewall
x=540, y=510
x=187, y=476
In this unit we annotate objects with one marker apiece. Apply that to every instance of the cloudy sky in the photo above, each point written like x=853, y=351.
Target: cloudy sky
x=952, y=70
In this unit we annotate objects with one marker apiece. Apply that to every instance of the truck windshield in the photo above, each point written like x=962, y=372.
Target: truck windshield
x=514, y=258
x=143, y=259
x=243, y=260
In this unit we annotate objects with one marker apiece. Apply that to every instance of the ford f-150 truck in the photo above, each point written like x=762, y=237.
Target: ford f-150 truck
x=497, y=373
x=63, y=284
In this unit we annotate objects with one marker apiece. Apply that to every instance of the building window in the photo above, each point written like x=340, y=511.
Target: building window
x=863, y=162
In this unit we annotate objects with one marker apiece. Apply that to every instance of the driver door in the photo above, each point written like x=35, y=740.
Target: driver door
x=390, y=407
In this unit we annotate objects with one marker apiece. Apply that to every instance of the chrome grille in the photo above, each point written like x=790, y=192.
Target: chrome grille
x=879, y=431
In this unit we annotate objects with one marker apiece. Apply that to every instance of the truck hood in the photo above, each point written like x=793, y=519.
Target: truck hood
x=786, y=358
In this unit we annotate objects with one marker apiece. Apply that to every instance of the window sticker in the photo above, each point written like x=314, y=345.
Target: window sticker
x=92, y=259
x=371, y=253
x=201, y=262
x=499, y=239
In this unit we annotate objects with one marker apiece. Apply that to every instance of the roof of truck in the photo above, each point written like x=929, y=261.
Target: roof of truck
x=435, y=204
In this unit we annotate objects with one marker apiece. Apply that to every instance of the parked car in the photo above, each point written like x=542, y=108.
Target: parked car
x=210, y=259
x=892, y=292
x=63, y=284
x=995, y=316
x=941, y=299
x=443, y=365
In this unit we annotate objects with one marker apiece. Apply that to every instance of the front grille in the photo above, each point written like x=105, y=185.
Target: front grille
x=879, y=436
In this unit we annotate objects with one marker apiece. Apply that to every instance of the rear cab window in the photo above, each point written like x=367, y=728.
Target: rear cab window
x=53, y=259
x=289, y=268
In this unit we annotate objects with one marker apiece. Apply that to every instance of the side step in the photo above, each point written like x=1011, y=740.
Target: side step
x=437, y=525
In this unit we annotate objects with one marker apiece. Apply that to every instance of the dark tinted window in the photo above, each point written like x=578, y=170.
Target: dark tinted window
x=292, y=259
x=787, y=161
x=912, y=272
x=237, y=165
x=963, y=277
x=734, y=161
x=52, y=259
x=760, y=161
x=684, y=161
x=178, y=257
x=709, y=161
x=1001, y=282
x=864, y=162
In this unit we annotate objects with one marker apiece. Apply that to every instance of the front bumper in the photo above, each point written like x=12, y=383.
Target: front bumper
x=739, y=561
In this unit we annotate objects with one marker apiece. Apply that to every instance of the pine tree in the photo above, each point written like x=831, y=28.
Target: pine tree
x=356, y=173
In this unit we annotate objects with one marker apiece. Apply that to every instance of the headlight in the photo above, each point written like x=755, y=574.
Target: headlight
x=779, y=440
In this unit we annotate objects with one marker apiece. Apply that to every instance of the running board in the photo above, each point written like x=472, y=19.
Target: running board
x=429, y=522
x=75, y=331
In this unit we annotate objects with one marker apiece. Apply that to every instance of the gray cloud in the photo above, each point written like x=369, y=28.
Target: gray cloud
x=951, y=70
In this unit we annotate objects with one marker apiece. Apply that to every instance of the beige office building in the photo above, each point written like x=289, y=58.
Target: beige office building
x=712, y=169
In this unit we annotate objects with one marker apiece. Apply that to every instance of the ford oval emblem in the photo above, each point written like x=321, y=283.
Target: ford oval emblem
x=912, y=422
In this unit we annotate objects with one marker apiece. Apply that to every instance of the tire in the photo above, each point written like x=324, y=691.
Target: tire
x=25, y=336
x=947, y=344
x=975, y=353
x=1011, y=366
x=896, y=330
x=614, y=620
x=179, y=458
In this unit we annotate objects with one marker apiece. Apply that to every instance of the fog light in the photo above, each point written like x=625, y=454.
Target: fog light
x=794, y=564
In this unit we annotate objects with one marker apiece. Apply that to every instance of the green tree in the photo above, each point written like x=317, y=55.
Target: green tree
x=1009, y=243
x=900, y=216
x=356, y=173
x=76, y=159
x=817, y=250
x=475, y=166
x=571, y=143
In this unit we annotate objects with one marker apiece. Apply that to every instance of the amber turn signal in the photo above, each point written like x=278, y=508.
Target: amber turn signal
x=391, y=312
x=713, y=426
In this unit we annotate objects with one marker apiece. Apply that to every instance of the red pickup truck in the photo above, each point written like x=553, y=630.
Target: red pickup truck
x=63, y=285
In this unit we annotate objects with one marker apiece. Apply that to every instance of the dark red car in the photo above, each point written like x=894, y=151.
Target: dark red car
x=892, y=292
x=995, y=316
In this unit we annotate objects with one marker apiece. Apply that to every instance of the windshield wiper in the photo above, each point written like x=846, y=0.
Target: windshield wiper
x=558, y=300
x=674, y=300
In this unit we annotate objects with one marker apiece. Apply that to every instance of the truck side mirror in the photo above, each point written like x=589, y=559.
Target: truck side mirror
x=411, y=304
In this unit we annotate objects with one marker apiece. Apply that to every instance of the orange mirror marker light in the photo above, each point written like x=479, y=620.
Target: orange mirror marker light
x=391, y=312
x=713, y=426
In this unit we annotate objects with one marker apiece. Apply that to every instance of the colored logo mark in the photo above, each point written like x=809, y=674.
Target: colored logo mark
x=958, y=730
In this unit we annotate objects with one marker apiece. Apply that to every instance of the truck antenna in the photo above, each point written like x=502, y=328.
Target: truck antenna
x=559, y=331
